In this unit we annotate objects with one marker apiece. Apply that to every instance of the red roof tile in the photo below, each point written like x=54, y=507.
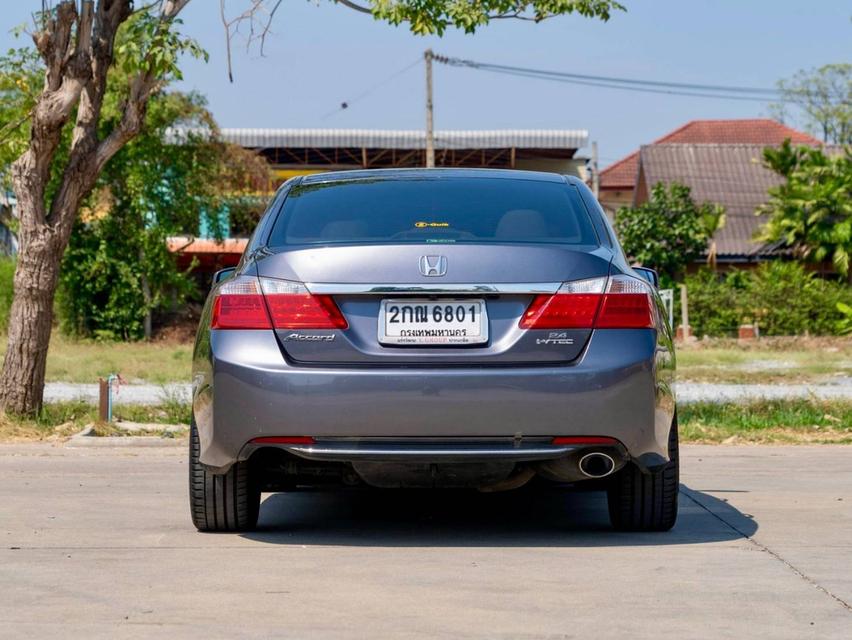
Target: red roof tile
x=762, y=131
x=179, y=244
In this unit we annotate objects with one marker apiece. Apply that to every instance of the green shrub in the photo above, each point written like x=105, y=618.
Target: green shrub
x=667, y=232
x=101, y=293
x=7, y=272
x=716, y=302
x=844, y=325
x=783, y=298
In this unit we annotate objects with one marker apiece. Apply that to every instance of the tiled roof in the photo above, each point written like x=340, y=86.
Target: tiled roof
x=181, y=244
x=759, y=131
x=408, y=139
x=728, y=174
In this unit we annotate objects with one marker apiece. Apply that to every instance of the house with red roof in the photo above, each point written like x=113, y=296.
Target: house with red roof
x=618, y=180
x=721, y=162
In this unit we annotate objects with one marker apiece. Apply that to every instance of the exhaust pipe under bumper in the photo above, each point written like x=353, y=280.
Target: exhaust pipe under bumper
x=596, y=465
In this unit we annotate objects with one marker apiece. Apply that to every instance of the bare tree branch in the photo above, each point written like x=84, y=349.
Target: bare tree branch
x=257, y=19
x=517, y=15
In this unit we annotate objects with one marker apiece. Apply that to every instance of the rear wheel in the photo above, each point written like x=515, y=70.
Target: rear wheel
x=646, y=501
x=221, y=502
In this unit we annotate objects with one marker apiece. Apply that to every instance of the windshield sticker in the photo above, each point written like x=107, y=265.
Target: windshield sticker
x=425, y=225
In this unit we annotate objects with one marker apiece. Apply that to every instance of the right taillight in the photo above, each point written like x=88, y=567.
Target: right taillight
x=622, y=302
x=247, y=302
x=627, y=304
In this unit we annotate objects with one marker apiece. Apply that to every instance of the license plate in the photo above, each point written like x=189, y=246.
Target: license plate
x=433, y=322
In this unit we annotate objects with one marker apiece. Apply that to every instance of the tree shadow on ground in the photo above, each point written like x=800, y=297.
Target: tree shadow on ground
x=524, y=518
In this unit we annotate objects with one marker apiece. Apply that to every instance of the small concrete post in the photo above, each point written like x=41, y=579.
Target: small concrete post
x=103, y=400
x=684, y=332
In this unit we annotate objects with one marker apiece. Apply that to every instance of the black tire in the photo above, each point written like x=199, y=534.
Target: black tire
x=646, y=501
x=221, y=502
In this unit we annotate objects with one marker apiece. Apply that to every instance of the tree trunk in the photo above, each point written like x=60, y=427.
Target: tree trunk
x=30, y=321
x=77, y=50
x=146, y=296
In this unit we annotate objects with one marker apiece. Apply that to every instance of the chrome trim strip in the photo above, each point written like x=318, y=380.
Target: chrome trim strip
x=425, y=452
x=326, y=288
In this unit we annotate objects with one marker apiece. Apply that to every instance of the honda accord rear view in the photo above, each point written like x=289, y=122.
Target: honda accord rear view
x=470, y=329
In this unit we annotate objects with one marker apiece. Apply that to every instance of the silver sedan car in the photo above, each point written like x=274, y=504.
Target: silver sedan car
x=471, y=329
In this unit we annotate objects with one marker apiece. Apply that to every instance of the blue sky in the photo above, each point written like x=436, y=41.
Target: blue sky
x=322, y=54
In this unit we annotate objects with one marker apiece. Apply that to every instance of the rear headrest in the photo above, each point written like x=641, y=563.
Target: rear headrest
x=521, y=223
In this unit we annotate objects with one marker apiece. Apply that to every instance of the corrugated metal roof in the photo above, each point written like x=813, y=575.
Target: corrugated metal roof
x=731, y=175
x=763, y=131
x=407, y=139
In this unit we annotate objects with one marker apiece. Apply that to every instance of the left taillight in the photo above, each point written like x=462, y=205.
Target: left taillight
x=248, y=302
x=239, y=305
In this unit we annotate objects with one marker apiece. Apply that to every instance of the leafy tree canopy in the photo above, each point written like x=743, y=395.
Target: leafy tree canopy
x=667, y=232
x=823, y=97
x=812, y=210
x=434, y=16
x=21, y=78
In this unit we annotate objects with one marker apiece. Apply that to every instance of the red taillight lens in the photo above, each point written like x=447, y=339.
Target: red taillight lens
x=264, y=303
x=574, y=306
x=239, y=305
x=562, y=311
x=292, y=306
x=304, y=311
x=621, y=303
x=626, y=305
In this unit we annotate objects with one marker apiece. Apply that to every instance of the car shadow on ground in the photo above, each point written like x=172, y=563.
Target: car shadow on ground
x=522, y=518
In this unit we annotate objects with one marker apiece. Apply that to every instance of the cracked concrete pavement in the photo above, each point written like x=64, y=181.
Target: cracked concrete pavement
x=97, y=543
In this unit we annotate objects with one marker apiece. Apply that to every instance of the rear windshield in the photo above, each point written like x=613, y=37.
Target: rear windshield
x=437, y=211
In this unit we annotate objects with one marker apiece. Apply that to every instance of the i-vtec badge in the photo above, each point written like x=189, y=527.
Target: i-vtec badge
x=309, y=337
x=555, y=337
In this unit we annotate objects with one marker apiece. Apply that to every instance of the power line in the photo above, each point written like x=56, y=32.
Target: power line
x=725, y=92
x=658, y=83
x=348, y=103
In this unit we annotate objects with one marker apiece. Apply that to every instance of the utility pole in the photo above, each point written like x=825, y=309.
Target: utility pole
x=596, y=178
x=430, y=132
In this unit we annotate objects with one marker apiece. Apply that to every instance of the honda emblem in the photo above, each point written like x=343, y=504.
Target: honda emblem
x=433, y=265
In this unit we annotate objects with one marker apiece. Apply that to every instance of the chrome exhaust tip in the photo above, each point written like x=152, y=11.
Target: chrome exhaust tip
x=596, y=465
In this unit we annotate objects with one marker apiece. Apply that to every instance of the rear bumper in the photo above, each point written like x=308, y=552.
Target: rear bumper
x=244, y=389
x=423, y=452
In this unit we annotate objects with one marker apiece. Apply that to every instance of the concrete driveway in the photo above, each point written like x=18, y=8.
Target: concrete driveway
x=97, y=543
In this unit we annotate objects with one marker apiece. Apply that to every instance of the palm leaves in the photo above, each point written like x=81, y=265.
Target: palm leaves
x=812, y=211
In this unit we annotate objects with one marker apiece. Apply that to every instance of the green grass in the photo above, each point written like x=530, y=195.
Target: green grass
x=87, y=360
x=777, y=421
x=787, y=360
x=62, y=419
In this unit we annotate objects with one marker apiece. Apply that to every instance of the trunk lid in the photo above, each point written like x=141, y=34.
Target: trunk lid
x=505, y=276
